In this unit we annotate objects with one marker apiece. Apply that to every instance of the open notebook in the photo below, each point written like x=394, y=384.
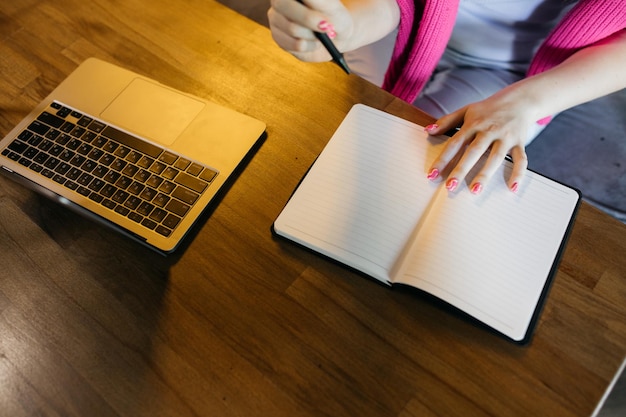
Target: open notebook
x=123, y=149
x=366, y=202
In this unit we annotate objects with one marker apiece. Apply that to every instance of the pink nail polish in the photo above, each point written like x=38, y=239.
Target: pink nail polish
x=331, y=34
x=477, y=188
x=433, y=174
x=514, y=187
x=323, y=25
x=431, y=127
x=451, y=184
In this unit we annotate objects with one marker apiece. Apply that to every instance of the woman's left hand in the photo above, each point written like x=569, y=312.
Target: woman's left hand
x=498, y=126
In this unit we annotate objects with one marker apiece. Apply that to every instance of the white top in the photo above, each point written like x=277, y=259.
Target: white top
x=501, y=33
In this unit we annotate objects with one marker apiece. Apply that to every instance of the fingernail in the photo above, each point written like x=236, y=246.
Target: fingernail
x=431, y=127
x=328, y=28
x=433, y=174
x=514, y=187
x=477, y=188
x=324, y=25
x=451, y=184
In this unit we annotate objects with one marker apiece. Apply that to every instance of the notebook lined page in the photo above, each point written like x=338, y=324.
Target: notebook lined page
x=367, y=203
x=490, y=255
x=364, y=195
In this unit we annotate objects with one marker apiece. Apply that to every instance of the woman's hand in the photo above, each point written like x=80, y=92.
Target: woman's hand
x=292, y=25
x=496, y=126
x=500, y=124
x=350, y=23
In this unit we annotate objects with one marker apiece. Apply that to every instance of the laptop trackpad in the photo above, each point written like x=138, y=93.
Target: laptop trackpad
x=152, y=110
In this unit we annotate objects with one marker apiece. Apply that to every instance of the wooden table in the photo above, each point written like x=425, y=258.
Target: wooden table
x=240, y=323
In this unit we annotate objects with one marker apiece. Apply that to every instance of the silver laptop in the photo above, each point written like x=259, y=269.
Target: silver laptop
x=126, y=150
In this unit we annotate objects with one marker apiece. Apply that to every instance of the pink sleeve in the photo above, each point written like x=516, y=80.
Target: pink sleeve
x=589, y=22
x=422, y=38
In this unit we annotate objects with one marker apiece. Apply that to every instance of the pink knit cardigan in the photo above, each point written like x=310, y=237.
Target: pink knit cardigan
x=421, y=42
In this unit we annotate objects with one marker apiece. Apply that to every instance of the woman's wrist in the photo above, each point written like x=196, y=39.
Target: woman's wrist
x=372, y=20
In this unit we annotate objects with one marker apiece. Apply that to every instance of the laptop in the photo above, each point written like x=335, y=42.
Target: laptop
x=130, y=152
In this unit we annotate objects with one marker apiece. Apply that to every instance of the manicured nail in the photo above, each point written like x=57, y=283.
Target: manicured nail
x=514, y=187
x=431, y=127
x=451, y=184
x=433, y=174
x=324, y=25
x=477, y=188
x=328, y=28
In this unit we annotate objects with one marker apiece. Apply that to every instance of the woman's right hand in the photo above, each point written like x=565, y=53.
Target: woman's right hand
x=293, y=25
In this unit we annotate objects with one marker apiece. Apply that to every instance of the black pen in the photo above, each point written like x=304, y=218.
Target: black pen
x=332, y=50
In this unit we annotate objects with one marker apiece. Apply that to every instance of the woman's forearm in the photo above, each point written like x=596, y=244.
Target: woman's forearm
x=590, y=73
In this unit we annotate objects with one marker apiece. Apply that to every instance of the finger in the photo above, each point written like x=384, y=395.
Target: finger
x=446, y=123
x=471, y=155
x=496, y=156
x=293, y=45
x=308, y=15
x=296, y=39
x=450, y=154
x=289, y=28
x=520, y=164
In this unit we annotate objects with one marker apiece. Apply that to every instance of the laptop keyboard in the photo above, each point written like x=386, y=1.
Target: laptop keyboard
x=139, y=180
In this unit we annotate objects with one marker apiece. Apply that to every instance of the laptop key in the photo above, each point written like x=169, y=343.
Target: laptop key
x=163, y=231
x=52, y=163
x=109, y=204
x=145, y=208
x=121, y=210
x=171, y=221
x=191, y=182
x=96, y=126
x=149, y=223
x=18, y=146
x=62, y=168
x=51, y=119
x=63, y=112
x=108, y=190
x=177, y=207
x=73, y=173
x=208, y=175
x=71, y=185
x=96, y=185
x=158, y=214
x=84, y=121
x=194, y=169
x=136, y=217
x=38, y=127
x=120, y=196
x=67, y=127
x=25, y=135
x=96, y=197
x=185, y=195
x=31, y=152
